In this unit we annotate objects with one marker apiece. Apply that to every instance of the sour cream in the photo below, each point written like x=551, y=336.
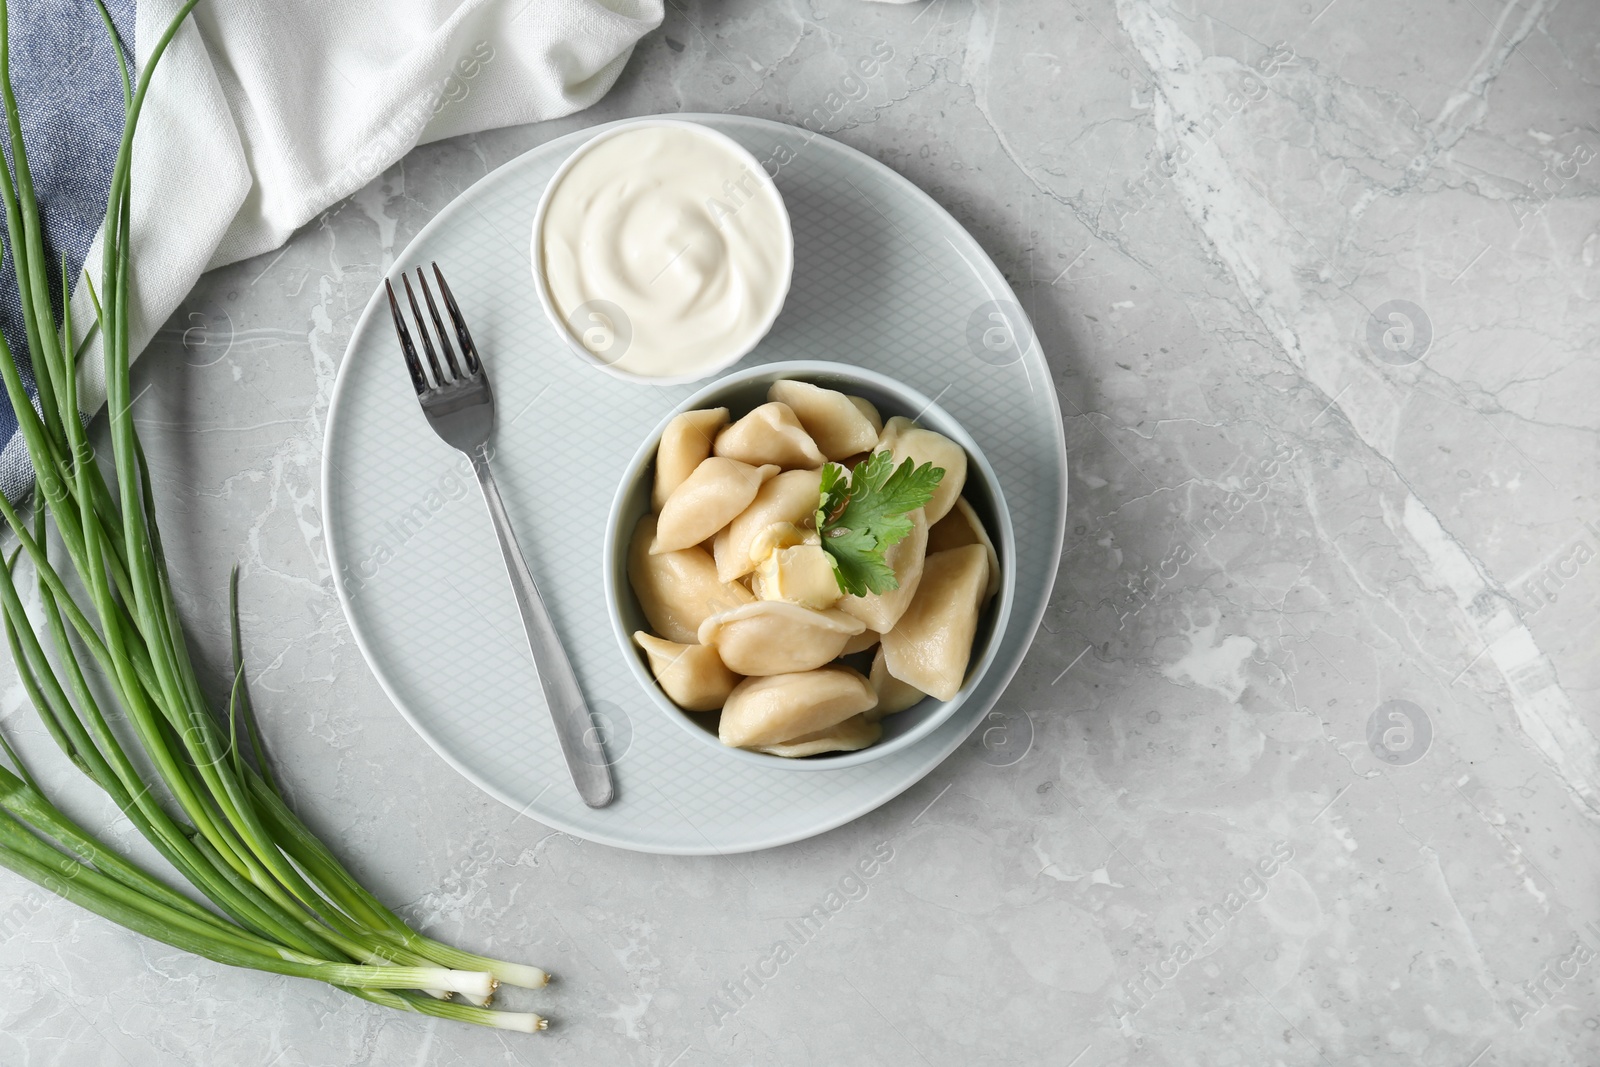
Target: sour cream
x=663, y=251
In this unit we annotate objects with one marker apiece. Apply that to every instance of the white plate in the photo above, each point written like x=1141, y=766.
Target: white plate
x=883, y=278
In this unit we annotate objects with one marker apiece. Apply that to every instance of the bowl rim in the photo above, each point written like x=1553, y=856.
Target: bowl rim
x=1003, y=536
x=542, y=288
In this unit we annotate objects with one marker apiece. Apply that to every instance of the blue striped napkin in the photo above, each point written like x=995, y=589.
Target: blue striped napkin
x=70, y=96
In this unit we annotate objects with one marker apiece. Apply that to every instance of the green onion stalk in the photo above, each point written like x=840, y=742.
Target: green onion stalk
x=275, y=897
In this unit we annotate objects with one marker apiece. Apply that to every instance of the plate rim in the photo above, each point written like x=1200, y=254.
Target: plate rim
x=996, y=286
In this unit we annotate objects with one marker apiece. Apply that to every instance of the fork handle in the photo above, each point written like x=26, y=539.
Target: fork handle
x=580, y=740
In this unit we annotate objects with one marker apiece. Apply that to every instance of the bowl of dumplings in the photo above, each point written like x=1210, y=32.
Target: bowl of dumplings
x=728, y=607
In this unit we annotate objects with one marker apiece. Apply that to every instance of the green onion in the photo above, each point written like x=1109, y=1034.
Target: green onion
x=276, y=898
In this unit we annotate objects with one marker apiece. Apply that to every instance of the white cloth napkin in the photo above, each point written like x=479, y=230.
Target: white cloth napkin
x=263, y=114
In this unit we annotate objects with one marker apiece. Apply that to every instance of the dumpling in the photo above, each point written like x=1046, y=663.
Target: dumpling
x=893, y=694
x=839, y=426
x=769, y=434
x=789, y=497
x=880, y=611
x=692, y=676
x=963, y=527
x=933, y=641
x=776, y=637
x=860, y=642
x=684, y=443
x=870, y=413
x=678, y=590
x=769, y=711
x=906, y=440
x=854, y=733
x=713, y=494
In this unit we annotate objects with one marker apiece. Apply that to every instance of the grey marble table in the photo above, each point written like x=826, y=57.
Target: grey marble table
x=1302, y=768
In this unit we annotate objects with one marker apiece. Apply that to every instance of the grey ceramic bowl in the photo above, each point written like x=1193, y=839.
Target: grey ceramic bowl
x=739, y=392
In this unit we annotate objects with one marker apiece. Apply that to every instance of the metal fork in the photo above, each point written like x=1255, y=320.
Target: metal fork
x=460, y=408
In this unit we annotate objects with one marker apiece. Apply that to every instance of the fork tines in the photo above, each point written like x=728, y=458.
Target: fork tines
x=469, y=351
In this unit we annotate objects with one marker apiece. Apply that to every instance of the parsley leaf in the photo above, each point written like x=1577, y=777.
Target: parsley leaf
x=859, y=517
